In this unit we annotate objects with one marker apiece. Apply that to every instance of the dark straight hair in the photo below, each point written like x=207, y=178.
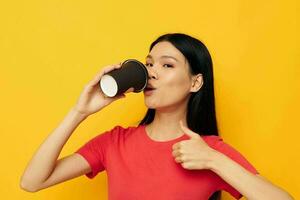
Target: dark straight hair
x=201, y=115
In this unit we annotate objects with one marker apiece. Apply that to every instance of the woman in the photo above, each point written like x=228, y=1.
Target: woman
x=174, y=153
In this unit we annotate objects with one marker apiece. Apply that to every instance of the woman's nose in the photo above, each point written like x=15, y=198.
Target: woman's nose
x=151, y=73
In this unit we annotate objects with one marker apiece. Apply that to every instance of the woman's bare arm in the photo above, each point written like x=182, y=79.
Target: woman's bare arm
x=249, y=185
x=66, y=168
x=44, y=169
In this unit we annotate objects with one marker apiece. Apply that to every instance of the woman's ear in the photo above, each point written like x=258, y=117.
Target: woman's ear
x=197, y=82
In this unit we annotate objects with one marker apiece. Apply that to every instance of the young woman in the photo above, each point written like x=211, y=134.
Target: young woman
x=174, y=153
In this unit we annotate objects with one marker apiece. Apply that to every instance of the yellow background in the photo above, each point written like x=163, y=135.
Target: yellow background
x=50, y=49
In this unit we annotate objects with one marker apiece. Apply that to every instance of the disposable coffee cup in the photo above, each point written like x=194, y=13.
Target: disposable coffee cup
x=132, y=76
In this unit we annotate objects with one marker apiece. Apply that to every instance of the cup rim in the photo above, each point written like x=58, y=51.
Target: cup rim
x=145, y=72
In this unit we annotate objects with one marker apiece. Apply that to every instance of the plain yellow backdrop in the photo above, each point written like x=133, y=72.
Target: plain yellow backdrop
x=49, y=49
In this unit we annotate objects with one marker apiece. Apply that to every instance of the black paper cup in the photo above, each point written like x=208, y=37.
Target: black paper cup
x=131, y=74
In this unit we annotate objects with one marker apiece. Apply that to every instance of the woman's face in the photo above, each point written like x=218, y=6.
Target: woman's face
x=169, y=74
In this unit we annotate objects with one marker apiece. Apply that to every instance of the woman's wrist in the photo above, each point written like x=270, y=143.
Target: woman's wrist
x=216, y=158
x=78, y=113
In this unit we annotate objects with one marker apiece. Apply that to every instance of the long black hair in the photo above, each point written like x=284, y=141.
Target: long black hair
x=201, y=115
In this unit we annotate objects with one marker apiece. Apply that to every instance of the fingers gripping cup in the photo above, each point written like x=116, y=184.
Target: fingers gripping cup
x=132, y=74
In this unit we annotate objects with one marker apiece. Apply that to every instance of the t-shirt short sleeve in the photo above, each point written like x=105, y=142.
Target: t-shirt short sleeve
x=94, y=151
x=236, y=156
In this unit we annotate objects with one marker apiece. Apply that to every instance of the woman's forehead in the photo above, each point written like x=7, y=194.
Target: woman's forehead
x=164, y=56
x=166, y=50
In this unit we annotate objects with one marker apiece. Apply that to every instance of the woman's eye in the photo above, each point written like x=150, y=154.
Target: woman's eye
x=150, y=65
x=168, y=65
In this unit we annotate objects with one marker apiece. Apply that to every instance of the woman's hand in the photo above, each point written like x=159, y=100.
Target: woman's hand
x=92, y=99
x=193, y=153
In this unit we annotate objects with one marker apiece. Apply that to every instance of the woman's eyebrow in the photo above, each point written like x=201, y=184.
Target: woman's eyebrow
x=163, y=56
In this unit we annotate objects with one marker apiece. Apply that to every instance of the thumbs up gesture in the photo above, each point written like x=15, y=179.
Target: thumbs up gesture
x=194, y=153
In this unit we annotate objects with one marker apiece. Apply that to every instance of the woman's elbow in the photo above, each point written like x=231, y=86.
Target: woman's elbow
x=289, y=196
x=27, y=187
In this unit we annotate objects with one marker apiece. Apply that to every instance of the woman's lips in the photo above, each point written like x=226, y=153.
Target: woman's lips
x=148, y=91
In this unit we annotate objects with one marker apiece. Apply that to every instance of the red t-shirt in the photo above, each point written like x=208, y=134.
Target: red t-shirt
x=139, y=167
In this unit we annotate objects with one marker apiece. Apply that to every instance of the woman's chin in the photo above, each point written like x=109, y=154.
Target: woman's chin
x=149, y=105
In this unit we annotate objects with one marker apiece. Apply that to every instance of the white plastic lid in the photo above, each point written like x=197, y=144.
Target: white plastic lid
x=108, y=85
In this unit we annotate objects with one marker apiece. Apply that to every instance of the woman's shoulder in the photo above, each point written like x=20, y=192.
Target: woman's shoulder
x=217, y=143
x=124, y=128
x=118, y=131
x=212, y=140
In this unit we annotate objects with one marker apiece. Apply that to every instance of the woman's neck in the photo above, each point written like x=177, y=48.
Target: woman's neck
x=165, y=125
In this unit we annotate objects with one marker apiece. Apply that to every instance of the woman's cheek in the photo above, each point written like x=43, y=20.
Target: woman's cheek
x=172, y=96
